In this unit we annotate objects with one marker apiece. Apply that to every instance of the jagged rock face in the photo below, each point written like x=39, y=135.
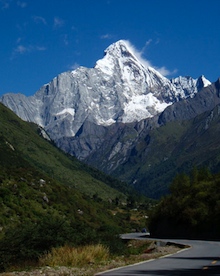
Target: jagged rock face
x=78, y=108
x=204, y=101
x=182, y=85
x=126, y=141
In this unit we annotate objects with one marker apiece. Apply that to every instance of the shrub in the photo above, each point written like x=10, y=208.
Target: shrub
x=30, y=240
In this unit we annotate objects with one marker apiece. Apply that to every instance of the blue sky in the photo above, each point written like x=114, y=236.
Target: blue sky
x=42, y=38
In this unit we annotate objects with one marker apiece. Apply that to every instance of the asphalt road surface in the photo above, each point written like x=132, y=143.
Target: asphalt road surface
x=202, y=258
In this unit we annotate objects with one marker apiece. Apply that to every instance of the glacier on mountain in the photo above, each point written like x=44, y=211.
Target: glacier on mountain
x=120, y=88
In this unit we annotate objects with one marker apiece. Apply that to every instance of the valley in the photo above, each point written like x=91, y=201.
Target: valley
x=101, y=151
x=109, y=137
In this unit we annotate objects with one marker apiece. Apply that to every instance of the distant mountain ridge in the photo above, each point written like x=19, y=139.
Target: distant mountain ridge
x=100, y=114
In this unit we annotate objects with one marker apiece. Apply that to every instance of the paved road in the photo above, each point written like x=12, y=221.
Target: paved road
x=203, y=258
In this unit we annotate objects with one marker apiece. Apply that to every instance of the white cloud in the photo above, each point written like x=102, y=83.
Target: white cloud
x=166, y=72
x=74, y=28
x=5, y=4
x=21, y=4
x=58, y=22
x=39, y=19
x=40, y=48
x=74, y=66
x=21, y=49
x=106, y=36
x=147, y=43
x=18, y=40
x=139, y=54
x=65, y=39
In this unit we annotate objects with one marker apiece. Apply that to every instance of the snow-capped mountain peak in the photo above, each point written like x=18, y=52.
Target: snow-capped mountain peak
x=204, y=81
x=120, y=88
x=119, y=49
x=117, y=55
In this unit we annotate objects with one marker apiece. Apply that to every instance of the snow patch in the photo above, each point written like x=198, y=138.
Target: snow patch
x=71, y=111
x=140, y=106
x=108, y=122
x=205, y=82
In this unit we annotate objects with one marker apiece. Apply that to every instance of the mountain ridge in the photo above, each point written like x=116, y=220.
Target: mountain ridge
x=99, y=114
x=125, y=91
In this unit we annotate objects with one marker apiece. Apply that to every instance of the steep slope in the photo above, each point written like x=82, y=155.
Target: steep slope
x=120, y=143
x=187, y=137
x=48, y=199
x=119, y=89
x=22, y=146
x=108, y=115
x=206, y=100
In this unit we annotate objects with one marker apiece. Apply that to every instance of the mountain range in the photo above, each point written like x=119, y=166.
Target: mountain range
x=126, y=119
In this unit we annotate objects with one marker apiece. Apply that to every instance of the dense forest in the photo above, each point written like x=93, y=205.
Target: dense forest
x=192, y=209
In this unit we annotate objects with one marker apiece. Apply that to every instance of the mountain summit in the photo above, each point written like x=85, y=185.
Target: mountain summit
x=121, y=88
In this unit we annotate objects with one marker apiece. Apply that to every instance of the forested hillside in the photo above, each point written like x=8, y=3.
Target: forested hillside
x=192, y=210
x=48, y=199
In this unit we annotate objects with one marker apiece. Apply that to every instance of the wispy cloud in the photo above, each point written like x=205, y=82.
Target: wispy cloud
x=58, y=22
x=22, y=49
x=106, y=36
x=74, y=28
x=18, y=40
x=40, y=48
x=65, y=39
x=139, y=54
x=22, y=4
x=39, y=19
x=74, y=66
x=5, y=4
x=147, y=43
x=166, y=72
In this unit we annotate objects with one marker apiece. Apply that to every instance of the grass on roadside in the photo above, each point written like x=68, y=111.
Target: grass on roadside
x=91, y=259
x=75, y=257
